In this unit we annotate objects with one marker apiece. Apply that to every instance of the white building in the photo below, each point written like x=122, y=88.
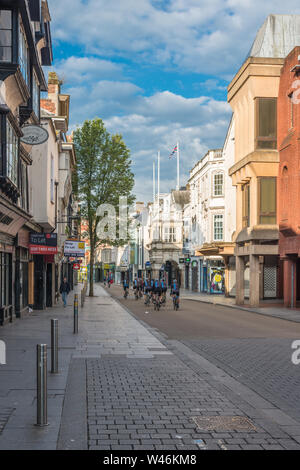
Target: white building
x=210, y=221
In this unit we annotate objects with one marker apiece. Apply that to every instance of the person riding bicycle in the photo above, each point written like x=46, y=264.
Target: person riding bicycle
x=164, y=287
x=125, y=285
x=140, y=286
x=175, y=291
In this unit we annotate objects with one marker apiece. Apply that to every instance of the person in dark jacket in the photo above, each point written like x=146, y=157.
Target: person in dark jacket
x=64, y=290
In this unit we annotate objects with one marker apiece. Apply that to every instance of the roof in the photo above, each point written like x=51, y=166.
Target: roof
x=278, y=35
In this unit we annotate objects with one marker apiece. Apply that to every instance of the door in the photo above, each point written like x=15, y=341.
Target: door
x=49, y=285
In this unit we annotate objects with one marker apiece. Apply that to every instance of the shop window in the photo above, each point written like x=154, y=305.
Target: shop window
x=266, y=123
x=218, y=227
x=5, y=279
x=5, y=36
x=246, y=204
x=267, y=200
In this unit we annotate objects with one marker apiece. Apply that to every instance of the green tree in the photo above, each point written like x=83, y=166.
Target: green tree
x=103, y=174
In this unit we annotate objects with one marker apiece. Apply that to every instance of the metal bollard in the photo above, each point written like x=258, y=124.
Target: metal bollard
x=54, y=346
x=75, y=313
x=42, y=415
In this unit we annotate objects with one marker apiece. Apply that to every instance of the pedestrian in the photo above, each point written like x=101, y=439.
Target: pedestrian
x=64, y=290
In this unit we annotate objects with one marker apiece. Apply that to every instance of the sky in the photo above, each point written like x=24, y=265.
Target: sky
x=157, y=72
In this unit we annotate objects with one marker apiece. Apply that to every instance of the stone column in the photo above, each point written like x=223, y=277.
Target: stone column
x=254, y=281
x=240, y=268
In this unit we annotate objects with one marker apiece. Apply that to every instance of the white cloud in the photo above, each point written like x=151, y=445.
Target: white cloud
x=199, y=35
x=83, y=69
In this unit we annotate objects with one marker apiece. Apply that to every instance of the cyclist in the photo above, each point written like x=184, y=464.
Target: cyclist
x=157, y=293
x=125, y=287
x=140, y=287
x=164, y=287
x=175, y=292
x=147, y=290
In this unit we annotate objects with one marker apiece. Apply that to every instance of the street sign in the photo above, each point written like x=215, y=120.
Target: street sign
x=42, y=243
x=34, y=135
x=76, y=266
x=74, y=248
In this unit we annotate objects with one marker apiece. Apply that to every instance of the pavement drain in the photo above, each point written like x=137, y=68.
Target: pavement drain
x=223, y=423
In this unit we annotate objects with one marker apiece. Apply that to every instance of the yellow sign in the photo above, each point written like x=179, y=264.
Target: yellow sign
x=218, y=278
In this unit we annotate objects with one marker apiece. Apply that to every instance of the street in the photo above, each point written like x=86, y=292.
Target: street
x=167, y=380
x=253, y=348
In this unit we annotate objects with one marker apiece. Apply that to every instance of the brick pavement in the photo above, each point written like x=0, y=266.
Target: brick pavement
x=142, y=390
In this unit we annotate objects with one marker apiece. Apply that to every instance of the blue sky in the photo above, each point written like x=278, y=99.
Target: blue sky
x=156, y=71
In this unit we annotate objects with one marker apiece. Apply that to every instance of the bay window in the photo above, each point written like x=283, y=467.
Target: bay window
x=169, y=234
x=35, y=96
x=23, y=54
x=5, y=36
x=266, y=123
x=267, y=200
x=12, y=153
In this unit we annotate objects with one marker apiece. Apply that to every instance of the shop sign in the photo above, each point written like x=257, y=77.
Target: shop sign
x=76, y=266
x=34, y=135
x=74, y=248
x=42, y=243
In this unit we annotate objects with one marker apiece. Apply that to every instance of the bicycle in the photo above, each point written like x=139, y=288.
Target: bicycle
x=136, y=294
x=147, y=298
x=157, y=302
x=176, y=301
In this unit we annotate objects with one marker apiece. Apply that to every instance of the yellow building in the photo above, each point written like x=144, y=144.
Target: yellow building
x=252, y=95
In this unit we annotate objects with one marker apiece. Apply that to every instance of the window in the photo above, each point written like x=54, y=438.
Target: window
x=266, y=123
x=52, y=180
x=5, y=279
x=169, y=234
x=267, y=200
x=246, y=205
x=12, y=153
x=24, y=186
x=23, y=54
x=218, y=184
x=35, y=96
x=5, y=35
x=218, y=227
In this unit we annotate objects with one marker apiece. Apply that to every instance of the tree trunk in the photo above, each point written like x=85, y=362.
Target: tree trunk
x=91, y=294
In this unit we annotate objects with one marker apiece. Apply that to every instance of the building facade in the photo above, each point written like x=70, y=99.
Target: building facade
x=25, y=47
x=252, y=95
x=288, y=197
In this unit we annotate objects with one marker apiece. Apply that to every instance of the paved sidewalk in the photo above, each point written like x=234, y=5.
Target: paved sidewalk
x=267, y=307
x=125, y=386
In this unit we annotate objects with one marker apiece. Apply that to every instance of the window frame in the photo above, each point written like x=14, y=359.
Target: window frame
x=214, y=185
x=265, y=214
x=22, y=34
x=246, y=205
x=12, y=37
x=11, y=165
x=214, y=227
x=258, y=138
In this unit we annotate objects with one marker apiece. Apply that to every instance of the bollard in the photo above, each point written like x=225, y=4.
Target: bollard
x=75, y=313
x=54, y=346
x=42, y=415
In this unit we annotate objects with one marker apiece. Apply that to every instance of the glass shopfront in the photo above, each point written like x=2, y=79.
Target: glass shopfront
x=5, y=279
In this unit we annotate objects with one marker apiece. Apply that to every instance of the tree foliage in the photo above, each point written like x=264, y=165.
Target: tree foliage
x=103, y=174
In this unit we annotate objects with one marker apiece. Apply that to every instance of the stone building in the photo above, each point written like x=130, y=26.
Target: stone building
x=25, y=47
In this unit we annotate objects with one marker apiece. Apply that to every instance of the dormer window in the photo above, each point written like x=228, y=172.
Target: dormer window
x=6, y=36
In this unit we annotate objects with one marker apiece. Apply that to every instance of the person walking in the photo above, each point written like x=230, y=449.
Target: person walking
x=64, y=290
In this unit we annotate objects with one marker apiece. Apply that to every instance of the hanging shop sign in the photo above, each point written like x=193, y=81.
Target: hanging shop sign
x=74, y=248
x=42, y=243
x=34, y=135
x=148, y=265
x=76, y=266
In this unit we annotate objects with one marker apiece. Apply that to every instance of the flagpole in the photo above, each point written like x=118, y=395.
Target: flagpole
x=154, y=189
x=178, y=177
x=158, y=189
